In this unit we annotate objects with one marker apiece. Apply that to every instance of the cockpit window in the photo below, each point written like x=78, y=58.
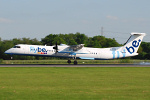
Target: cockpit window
x=16, y=47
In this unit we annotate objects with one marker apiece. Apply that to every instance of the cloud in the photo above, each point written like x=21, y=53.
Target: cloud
x=112, y=17
x=5, y=20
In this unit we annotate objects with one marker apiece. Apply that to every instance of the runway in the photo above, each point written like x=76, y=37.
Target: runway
x=79, y=65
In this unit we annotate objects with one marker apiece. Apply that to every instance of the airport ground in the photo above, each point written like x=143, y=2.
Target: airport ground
x=64, y=61
x=39, y=82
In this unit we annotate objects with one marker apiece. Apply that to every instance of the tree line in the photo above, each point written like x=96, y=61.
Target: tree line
x=69, y=39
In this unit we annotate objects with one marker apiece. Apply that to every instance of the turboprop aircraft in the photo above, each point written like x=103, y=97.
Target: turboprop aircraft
x=79, y=51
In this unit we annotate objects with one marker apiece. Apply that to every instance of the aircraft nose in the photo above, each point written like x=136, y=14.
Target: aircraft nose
x=7, y=51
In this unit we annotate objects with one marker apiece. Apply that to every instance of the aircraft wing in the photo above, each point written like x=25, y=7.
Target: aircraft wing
x=72, y=50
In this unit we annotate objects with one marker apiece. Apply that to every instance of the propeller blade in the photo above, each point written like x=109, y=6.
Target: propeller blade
x=56, y=48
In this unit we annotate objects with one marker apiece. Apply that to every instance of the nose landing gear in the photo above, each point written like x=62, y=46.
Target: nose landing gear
x=11, y=57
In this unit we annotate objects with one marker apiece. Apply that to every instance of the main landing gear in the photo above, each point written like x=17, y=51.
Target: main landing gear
x=75, y=61
x=69, y=61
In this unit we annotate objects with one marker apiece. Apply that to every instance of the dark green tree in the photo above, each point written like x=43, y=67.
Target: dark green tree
x=49, y=39
x=5, y=45
x=80, y=38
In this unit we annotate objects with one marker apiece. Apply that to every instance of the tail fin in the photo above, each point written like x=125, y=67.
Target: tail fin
x=134, y=42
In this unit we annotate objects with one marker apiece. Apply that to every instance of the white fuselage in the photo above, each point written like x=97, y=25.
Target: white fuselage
x=79, y=51
x=65, y=51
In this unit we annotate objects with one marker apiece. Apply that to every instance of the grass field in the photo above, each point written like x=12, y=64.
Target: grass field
x=51, y=61
x=75, y=83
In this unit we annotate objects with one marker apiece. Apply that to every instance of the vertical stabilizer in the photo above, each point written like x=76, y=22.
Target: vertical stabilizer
x=133, y=43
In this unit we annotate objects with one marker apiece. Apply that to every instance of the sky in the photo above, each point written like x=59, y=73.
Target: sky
x=39, y=18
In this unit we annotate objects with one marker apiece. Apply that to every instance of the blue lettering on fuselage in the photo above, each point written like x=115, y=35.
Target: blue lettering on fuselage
x=32, y=49
x=135, y=44
x=38, y=50
x=118, y=54
x=124, y=53
x=113, y=52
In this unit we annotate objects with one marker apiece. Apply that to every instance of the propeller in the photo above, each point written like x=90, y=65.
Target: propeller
x=56, y=48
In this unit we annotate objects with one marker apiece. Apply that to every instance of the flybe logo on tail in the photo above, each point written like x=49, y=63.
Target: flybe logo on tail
x=135, y=44
x=38, y=50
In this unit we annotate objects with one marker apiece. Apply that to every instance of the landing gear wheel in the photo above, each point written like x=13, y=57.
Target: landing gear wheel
x=69, y=61
x=75, y=62
x=11, y=57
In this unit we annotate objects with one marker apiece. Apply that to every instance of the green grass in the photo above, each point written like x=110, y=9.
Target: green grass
x=116, y=61
x=75, y=83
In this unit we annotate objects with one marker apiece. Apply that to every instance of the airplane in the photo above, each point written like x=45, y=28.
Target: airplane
x=79, y=51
